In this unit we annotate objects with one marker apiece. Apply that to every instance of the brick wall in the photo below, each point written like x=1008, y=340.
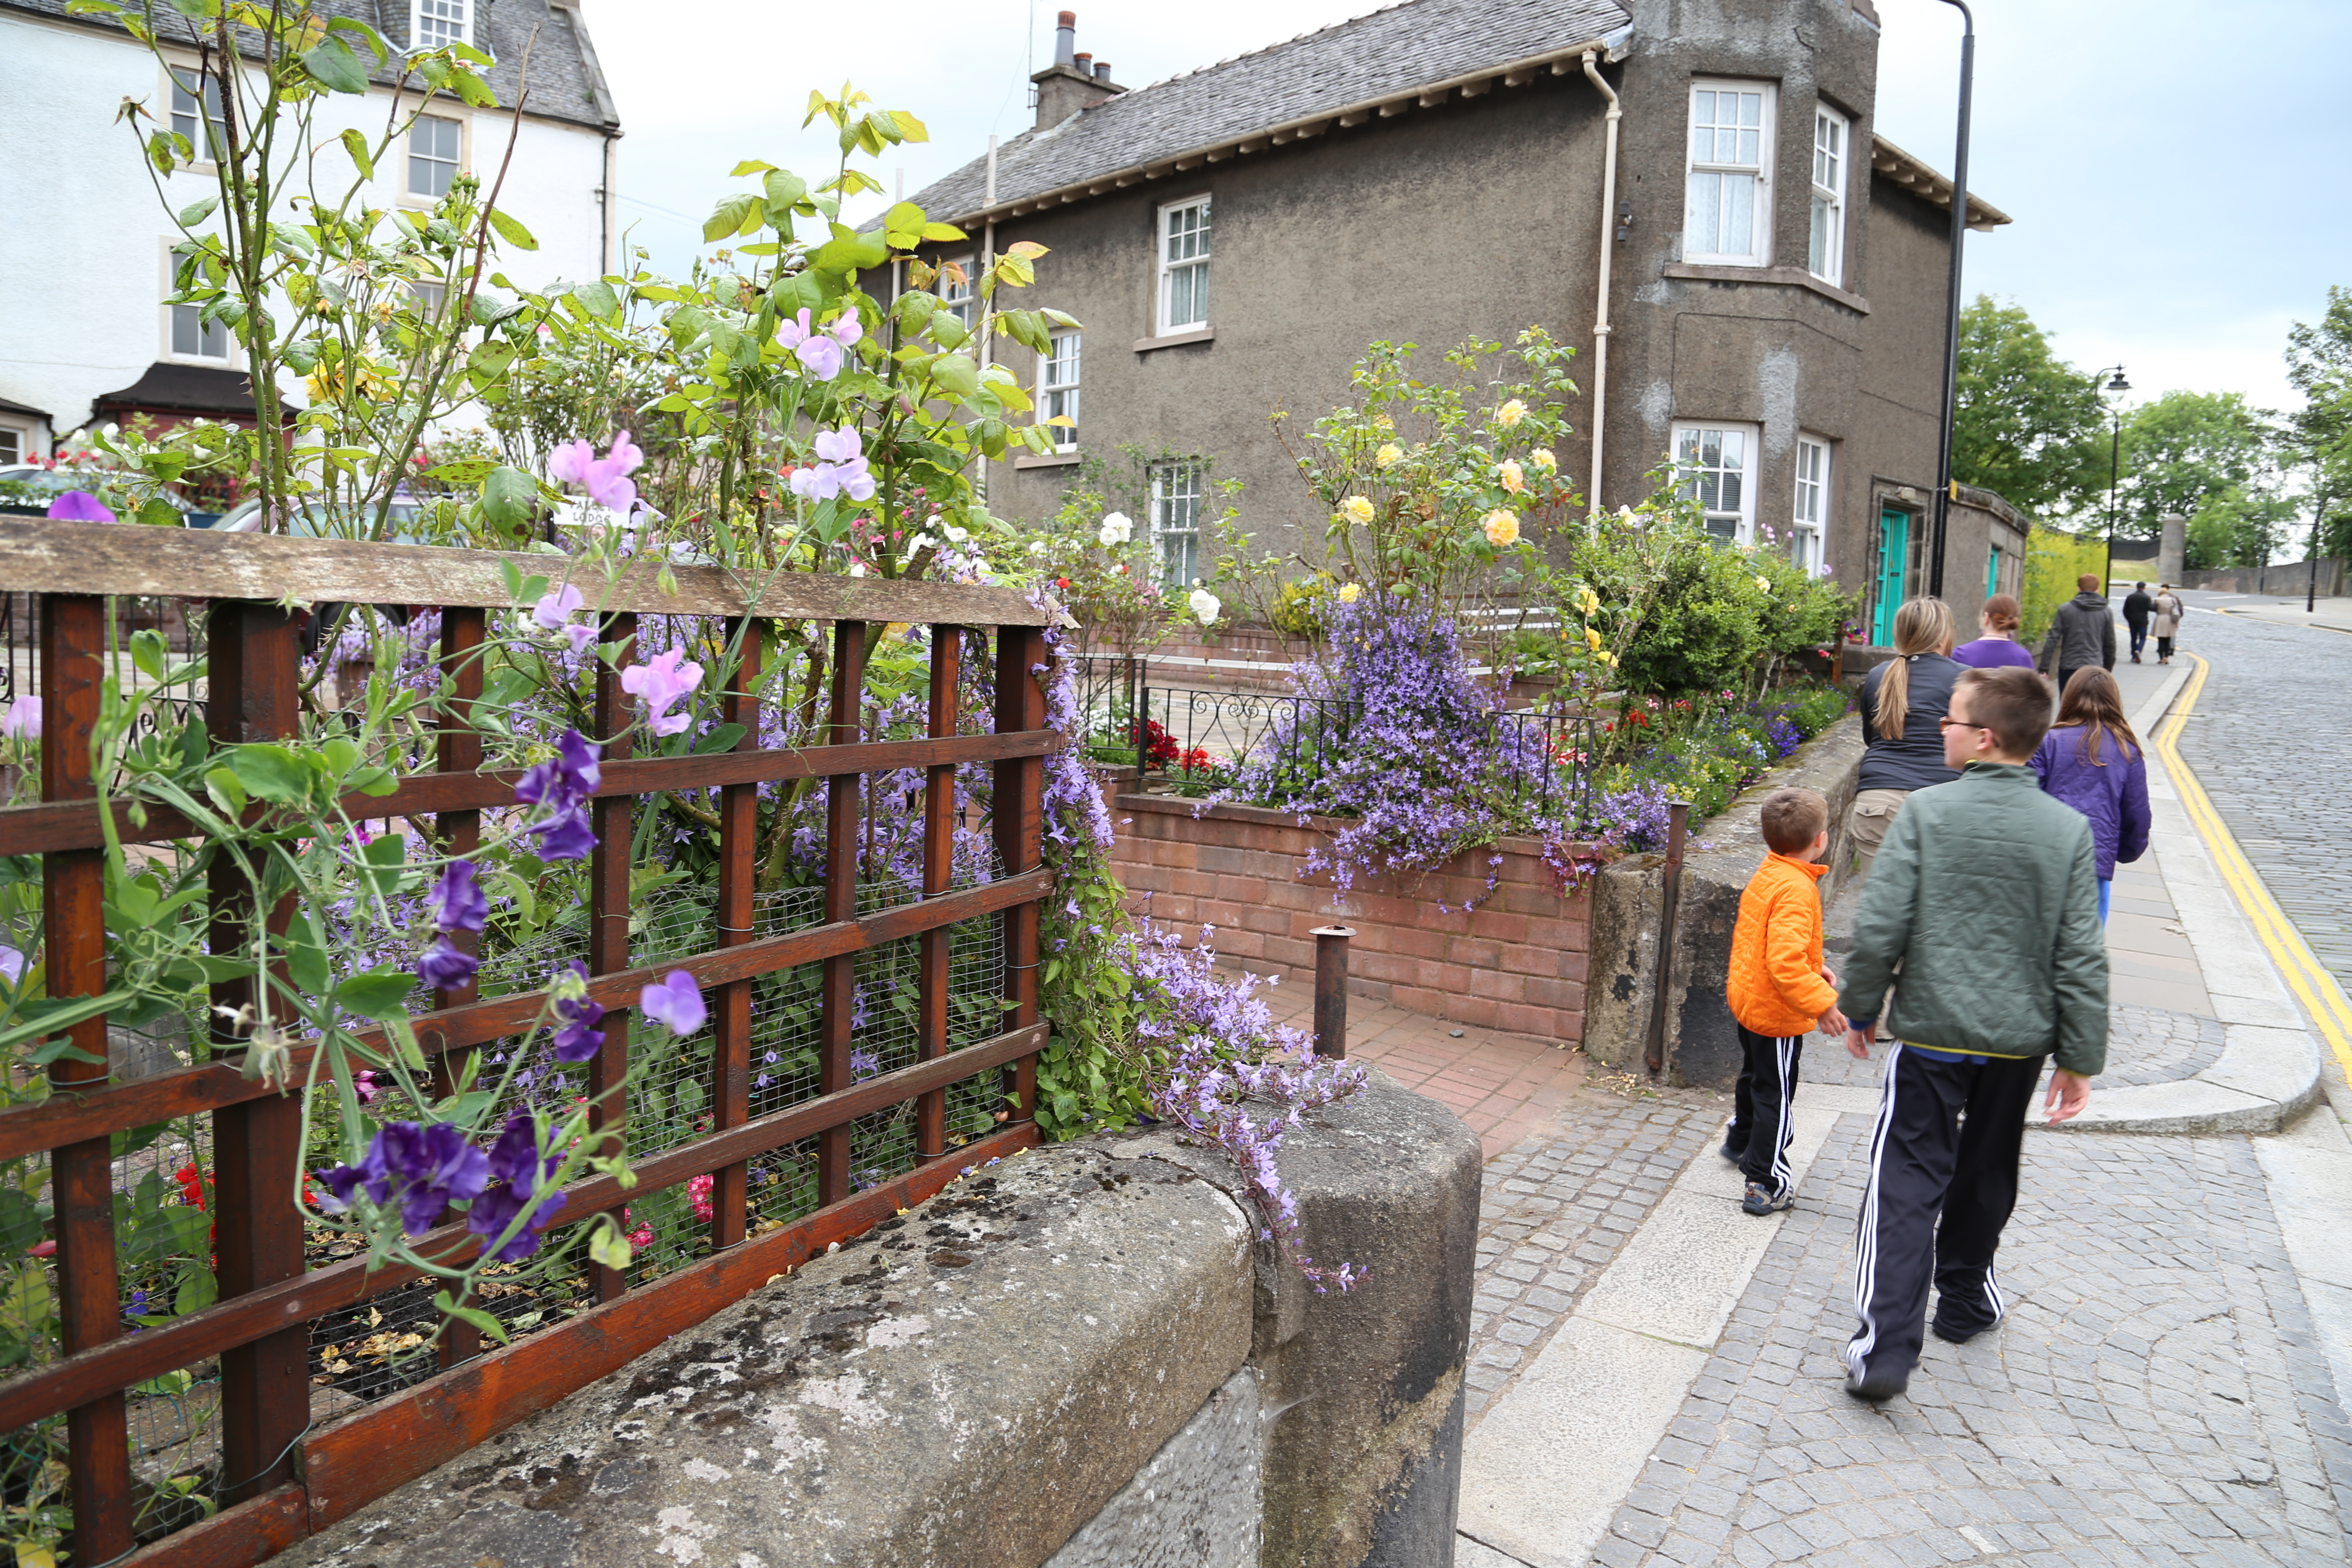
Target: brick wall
x=1516, y=962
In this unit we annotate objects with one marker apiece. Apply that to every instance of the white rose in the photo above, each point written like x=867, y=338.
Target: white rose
x=1205, y=606
x=1117, y=530
x=1036, y=547
x=957, y=535
x=922, y=542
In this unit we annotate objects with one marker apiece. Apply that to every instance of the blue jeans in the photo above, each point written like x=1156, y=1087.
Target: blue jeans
x=2106, y=891
x=2139, y=638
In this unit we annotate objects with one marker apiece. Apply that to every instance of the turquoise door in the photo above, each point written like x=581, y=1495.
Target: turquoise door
x=1992, y=573
x=1894, y=566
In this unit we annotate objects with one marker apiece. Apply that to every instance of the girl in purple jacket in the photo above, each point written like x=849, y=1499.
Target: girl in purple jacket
x=2092, y=761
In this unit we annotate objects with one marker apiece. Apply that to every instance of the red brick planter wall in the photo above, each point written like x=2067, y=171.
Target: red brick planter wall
x=1516, y=962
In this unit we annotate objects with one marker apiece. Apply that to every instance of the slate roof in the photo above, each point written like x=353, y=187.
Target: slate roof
x=566, y=83
x=1370, y=56
x=182, y=389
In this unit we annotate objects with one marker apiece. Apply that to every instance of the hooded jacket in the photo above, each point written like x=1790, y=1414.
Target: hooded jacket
x=1986, y=891
x=2081, y=634
x=1776, y=986
x=2111, y=794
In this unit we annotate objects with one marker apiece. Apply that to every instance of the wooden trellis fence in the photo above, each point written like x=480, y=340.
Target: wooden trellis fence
x=279, y=1477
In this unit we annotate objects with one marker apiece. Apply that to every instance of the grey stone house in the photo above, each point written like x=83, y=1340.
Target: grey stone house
x=1690, y=192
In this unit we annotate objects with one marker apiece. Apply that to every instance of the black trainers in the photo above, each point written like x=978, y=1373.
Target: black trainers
x=1877, y=1387
x=1760, y=1201
x=1951, y=1335
x=1731, y=1153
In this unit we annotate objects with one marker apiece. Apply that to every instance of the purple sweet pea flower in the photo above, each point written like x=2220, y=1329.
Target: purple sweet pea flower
x=578, y=1038
x=567, y=836
x=516, y=1163
x=674, y=1002
x=23, y=720
x=457, y=902
x=423, y=1169
x=444, y=968
x=660, y=682
x=562, y=785
x=556, y=608
x=79, y=506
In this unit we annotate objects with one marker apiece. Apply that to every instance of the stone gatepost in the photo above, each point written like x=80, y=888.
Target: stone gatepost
x=2173, y=556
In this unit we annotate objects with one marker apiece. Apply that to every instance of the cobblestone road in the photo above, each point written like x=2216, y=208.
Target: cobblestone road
x=2271, y=740
x=2154, y=1398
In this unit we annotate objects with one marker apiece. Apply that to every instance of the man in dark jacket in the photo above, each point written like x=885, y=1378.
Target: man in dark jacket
x=2081, y=634
x=2136, y=605
x=1987, y=893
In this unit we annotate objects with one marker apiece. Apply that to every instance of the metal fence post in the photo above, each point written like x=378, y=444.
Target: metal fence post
x=1653, y=1055
x=1331, y=991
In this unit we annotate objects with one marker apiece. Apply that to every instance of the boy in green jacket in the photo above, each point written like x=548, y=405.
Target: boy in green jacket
x=1986, y=892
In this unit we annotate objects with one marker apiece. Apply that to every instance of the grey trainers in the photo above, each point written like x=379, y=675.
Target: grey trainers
x=1760, y=1201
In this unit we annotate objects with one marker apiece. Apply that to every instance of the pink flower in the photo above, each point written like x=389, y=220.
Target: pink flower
x=819, y=348
x=660, y=682
x=840, y=468
x=553, y=609
x=698, y=1191
x=23, y=720
x=79, y=506
x=606, y=479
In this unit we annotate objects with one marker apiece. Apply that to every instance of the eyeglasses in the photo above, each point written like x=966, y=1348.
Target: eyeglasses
x=1949, y=722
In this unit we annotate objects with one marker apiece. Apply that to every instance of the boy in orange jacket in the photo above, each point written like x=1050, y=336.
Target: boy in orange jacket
x=1778, y=990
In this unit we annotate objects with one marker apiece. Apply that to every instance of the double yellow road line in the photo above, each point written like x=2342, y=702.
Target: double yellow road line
x=2309, y=979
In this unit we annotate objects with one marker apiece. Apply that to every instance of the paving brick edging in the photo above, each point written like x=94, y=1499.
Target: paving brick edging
x=1516, y=961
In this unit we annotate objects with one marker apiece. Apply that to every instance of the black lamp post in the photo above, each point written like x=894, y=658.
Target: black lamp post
x=2115, y=390
x=1952, y=300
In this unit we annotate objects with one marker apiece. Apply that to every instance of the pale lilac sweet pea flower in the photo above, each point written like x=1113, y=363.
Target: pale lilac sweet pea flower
x=819, y=349
x=12, y=966
x=840, y=468
x=23, y=720
x=660, y=682
x=676, y=1002
x=568, y=463
x=79, y=506
x=606, y=479
x=554, y=612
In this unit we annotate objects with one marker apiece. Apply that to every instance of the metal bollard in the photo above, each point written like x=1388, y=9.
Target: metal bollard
x=1331, y=991
x=1653, y=1055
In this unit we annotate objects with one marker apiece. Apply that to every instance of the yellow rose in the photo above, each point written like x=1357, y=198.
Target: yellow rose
x=1763, y=584
x=1514, y=478
x=1357, y=508
x=1610, y=659
x=1510, y=413
x=1592, y=639
x=1588, y=602
x=1546, y=461
x=1388, y=454
x=1502, y=528
x=1350, y=591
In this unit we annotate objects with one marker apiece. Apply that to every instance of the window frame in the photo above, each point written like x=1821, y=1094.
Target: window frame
x=1807, y=535
x=1759, y=252
x=1165, y=268
x=1751, y=446
x=1164, y=496
x=1825, y=252
x=1056, y=398
x=408, y=157
x=22, y=440
x=464, y=30
x=173, y=314
x=204, y=149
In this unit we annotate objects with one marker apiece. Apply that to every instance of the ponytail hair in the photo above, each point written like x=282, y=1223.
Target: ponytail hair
x=2095, y=703
x=2001, y=613
x=1921, y=626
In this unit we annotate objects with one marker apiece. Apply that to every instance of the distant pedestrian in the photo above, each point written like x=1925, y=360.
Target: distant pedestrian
x=2167, y=611
x=2081, y=634
x=1900, y=701
x=1998, y=646
x=2136, y=605
x=1986, y=897
x=2092, y=761
x=1779, y=991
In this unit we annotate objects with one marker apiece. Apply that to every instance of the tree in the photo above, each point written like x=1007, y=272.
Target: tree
x=2207, y=455
x=2319, y=365
x=2028, y=425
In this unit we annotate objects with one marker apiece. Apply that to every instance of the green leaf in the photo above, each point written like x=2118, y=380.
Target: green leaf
x=195, y=212
x=272, y=771
x=386, y=859
x=130, y=1139
x=722, y=739
x=474, y=1315
x=198, y=1289
x=160, y=513
x=512, y=232
x=596, y=296
x=380, y=994
x=473, y=89
x=510, y=498
x=956, y=374
x=732, y=216
x=306, y=954
x=333, y=64
x=748, y=166
x=490, y=308
x=356, y=145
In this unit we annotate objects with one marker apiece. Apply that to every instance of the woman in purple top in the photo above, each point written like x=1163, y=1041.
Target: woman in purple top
x=1998, y=646
x=2092, y=761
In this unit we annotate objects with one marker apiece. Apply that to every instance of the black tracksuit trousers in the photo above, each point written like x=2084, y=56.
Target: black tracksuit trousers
x=1943, y=1180
x=1760, y=1122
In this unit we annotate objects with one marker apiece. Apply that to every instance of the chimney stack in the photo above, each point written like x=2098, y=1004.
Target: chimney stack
x=1075, y=82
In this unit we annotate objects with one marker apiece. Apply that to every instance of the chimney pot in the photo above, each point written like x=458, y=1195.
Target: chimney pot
x=1084, y=62
x=1066, y=38
x=1102, y=70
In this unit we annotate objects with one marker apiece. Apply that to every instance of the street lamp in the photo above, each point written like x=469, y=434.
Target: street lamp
x=2114, y=391
x=1952, y=300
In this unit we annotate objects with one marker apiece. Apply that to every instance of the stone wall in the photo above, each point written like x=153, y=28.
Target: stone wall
x=1515, y=961
x=1081, y=1355
x=1701, y=1045
x=2288, y=578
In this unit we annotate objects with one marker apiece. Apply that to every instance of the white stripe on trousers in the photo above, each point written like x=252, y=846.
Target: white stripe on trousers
x=1865, y=1239
x=1784, y=1049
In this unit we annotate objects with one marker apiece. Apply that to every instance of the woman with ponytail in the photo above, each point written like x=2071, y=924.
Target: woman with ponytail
x=1998, y=646
x=1904, y=701
x=2092, y=761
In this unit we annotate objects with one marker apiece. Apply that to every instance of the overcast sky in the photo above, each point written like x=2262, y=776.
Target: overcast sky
x=2169, y=166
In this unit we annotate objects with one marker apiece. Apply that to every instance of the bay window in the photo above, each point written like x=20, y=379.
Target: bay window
x=1727, y=209
x=1825, y=258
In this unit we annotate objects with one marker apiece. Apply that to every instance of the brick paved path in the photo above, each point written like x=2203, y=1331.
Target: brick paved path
x=2154, y=1396
x=2271, y=740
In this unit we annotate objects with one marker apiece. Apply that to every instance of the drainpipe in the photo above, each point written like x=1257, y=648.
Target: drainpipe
x=604, y=207
x=987, y=260
x=1601, y=325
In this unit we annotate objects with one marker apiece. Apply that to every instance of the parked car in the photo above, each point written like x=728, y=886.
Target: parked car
x=310, y=521
x=27, y=489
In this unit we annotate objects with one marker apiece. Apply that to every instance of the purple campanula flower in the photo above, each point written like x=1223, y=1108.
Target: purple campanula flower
x=516, y=1163
x=660, y=682
x=676, y=1002
x=79, y=506
x=423, y=1168
x=444, y=968
x=457, y=902
x=864, y=1064
x=577, y=1038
